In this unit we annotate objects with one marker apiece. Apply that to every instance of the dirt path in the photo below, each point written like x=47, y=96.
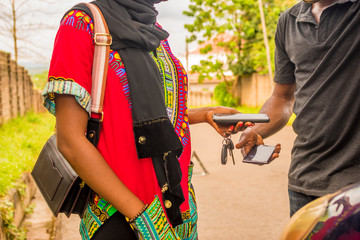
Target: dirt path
x=241, y=202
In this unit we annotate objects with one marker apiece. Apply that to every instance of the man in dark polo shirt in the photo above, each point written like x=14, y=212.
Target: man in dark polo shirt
x=317, y=76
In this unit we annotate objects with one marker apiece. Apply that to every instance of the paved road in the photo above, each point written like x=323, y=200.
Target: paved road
x=245, y=201
x=241, y=202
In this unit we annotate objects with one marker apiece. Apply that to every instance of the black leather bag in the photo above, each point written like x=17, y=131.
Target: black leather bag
x=59, y=184
x=61, y=187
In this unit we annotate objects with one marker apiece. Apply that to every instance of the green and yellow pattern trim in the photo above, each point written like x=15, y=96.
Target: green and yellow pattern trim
x=61, y=85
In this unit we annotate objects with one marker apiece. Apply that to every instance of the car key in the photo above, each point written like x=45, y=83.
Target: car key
x=230, y=146
x=224, y=151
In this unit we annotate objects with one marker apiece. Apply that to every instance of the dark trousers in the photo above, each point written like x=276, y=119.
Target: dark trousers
x=115, y=228
x=298, y=200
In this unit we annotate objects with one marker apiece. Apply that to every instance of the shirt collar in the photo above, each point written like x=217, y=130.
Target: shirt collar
x=302, y=10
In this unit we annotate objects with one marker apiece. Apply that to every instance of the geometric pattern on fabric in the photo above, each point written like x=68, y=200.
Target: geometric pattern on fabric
x=79, y=20
x=169, y=80
x=60, y=85
x=176, y=88
x=99, y=210
x=193, y=215
x=152, y=224
x=117, y=65
x=89, y=224
x=188, y=230
x=96, y=214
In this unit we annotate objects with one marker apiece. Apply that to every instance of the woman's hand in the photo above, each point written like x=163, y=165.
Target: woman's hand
x=201, y=115
x=225, y=129
x=152, y=223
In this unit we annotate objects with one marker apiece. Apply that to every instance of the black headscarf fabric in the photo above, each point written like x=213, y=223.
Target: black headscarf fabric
x=131, y=23
x=132, y=27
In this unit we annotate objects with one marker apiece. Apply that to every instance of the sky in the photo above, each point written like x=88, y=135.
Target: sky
x=170, y=17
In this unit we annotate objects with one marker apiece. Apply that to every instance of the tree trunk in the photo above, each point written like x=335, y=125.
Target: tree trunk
x=268, y=57
x=236, y=89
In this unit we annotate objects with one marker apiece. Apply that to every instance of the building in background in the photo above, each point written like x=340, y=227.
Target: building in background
x=252, y=90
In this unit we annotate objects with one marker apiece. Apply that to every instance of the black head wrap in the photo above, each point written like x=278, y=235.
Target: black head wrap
x=135, y=35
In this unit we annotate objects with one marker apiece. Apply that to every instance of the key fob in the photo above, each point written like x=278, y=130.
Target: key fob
x=224, y=154
x=231, y=144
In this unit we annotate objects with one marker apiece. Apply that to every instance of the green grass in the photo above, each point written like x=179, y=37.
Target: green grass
x=21, y=141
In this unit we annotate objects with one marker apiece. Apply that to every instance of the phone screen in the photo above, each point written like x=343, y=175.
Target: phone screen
x=260, y=154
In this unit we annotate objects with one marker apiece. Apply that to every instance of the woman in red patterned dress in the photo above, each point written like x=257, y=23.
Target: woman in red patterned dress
x=145, y=131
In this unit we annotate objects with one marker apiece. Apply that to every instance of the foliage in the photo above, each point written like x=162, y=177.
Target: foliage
x=21, y=140
x=239, y=19
x=209, y=68
x=7, y=215
x=40, y=80
x=223, y=97
x=248, y=109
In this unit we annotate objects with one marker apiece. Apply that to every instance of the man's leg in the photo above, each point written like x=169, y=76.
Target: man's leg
x=298, y=200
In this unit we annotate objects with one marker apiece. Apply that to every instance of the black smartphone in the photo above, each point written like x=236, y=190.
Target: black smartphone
x=260, y=154
x=240, y=117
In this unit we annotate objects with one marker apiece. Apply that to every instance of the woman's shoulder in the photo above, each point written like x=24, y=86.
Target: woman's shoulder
x=78, y=19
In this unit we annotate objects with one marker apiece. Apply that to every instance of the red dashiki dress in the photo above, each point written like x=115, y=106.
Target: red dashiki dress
x=70, y=73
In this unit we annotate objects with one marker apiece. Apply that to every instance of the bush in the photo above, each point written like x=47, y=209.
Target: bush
x=40, y=80
x=21, y=141
x=223, y=97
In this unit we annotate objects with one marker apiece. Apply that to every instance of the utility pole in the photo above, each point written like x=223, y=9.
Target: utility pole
x=268, y=57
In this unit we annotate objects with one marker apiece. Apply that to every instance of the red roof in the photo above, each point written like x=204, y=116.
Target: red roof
x=223, y=37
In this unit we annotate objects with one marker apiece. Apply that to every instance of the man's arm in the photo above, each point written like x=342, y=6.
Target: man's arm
x=279, y=109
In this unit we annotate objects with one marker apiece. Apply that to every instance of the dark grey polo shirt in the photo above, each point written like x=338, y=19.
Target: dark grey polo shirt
x=324, y=62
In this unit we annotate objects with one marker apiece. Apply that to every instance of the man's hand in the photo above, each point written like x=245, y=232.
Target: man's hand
x=249, y=138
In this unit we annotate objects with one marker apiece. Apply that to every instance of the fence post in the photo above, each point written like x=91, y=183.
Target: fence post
x=21, y=89
x=17, y=95
x=5, y=107
x=27, y=95
x=14, y=101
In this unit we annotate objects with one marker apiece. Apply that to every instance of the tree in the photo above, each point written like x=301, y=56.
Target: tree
x=20, y=23
x=241, y=19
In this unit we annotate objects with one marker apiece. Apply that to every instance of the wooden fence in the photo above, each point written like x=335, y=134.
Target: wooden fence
x=17, y=95
x=253, y=90
x=201, y=94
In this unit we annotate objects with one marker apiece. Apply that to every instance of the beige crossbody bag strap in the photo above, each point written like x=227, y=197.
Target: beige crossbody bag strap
x=103, y=40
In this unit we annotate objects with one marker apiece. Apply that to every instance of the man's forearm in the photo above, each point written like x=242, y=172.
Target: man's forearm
x=279, y=112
